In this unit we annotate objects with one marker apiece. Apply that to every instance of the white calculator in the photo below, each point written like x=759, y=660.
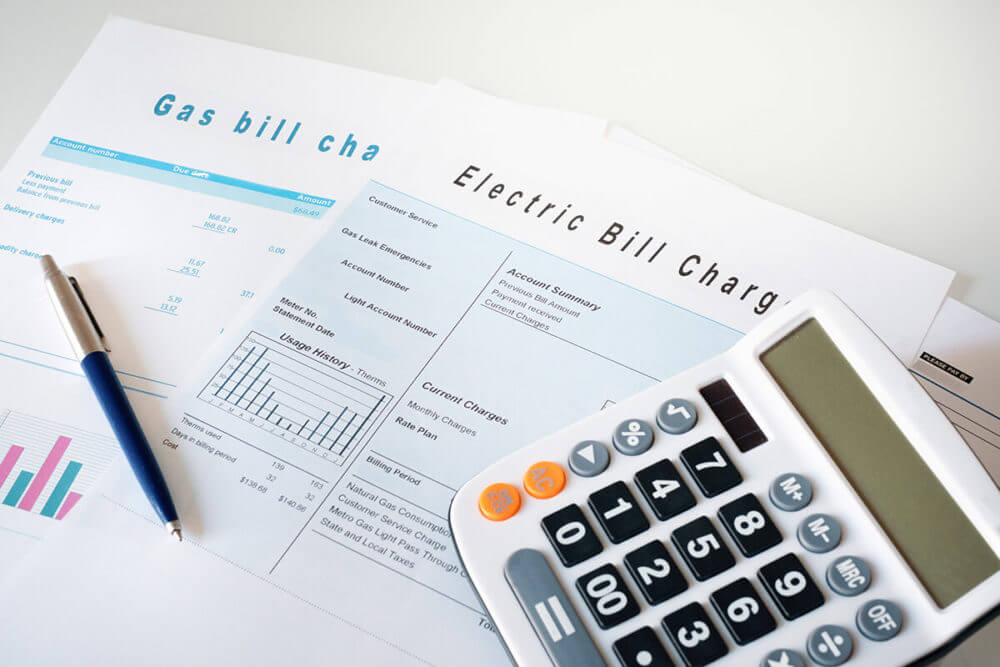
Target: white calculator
x=798, y=500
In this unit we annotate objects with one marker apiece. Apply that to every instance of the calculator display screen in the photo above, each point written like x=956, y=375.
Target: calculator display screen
x=928, y=528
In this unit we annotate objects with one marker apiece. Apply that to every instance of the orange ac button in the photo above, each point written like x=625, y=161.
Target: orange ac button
x=544, y=479
x=499, y=501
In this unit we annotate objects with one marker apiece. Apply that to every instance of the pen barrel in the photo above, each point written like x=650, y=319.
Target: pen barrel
x=111, y=396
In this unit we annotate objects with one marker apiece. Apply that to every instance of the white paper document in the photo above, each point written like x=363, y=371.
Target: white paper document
x=495, y=283
x=959, y=366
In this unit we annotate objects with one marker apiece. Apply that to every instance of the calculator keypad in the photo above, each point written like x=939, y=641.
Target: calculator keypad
x=659, y=576
x=618, y=512
x=606, y=595
x=571, y=536
x=790, y=586
x=655, y=573
x=710, y=466
x=664, y=490
x=743, y=612
x=702, y=548
x=694, y=636
x=748, y=523
x=641, y=649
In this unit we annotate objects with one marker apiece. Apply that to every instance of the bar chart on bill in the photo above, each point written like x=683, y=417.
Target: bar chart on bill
x=45, y=467
x=295, y=398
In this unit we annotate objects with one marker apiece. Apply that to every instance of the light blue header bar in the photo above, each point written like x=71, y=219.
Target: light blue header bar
x=187, y=178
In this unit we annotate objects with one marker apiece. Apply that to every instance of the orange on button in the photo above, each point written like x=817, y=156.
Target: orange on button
x=499, y=502
x=544, y=479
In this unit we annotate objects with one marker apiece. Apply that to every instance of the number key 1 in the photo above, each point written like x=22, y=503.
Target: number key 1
x=618, y=512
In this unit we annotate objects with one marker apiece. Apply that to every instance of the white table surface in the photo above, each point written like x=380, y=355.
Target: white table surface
x=880, y=117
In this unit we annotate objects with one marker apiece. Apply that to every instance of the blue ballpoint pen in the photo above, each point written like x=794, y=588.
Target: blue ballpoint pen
x=91, y=349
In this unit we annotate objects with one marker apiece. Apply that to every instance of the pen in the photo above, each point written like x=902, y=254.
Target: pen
x=91, y=349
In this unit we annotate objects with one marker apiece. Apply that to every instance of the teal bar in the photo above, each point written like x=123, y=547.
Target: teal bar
x=62, y=488
x=20, y=484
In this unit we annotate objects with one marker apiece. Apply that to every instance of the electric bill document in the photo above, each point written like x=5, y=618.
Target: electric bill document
x=494, y=284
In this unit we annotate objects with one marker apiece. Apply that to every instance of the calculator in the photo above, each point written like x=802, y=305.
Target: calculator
x=797, y=500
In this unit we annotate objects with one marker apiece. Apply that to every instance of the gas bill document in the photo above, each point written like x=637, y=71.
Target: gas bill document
x=433, y=329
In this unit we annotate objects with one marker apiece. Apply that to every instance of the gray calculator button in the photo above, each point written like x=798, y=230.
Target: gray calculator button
x=589, y=458
x=879, y=620
x=677, y=416
x=829, y=645
x=551, y=615
x=783, y=657
x=819, y=533
x=633, y=436
x=791, y=492
x=849, y=575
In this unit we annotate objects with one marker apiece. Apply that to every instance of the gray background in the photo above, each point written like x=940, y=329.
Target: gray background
x=880, y=117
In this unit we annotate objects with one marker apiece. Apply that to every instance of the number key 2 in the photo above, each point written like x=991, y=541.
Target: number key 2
x=655, y=573
x=571, y=535
x=694, y=636
x=743, y=611
x=607, y=597
x=790, y=586
x=748, y=524
x=618, y=512
x=662, y=487
x=710, y=467
x=702, y=548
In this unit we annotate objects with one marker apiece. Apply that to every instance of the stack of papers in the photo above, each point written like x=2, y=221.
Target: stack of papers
x=335, y=296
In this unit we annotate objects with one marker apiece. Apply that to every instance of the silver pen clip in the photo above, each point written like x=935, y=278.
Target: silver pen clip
x=86, y=306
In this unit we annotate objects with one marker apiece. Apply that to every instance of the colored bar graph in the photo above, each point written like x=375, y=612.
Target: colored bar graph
x=20, y=484
x=68, y=505
x=42, y=478
x=61, y=488
x=8, y=462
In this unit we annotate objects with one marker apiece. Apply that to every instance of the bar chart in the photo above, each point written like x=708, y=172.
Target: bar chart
x=295, y=397
x=46, y=467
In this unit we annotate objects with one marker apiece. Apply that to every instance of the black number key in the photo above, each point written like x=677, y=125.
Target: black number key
x=710, y=467
x=790, y=586
x=743, y=611
x=618, y=512
x=655, y=573
x=641, y=649
x=702, y=548
x=571, y=535
x=749, y=525
x=662, y=487
x=605, y=593
x=694, y=636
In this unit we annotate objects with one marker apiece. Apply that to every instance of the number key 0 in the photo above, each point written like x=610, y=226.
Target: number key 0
x=571, y=535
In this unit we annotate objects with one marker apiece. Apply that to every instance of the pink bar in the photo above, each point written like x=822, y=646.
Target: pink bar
x=68, y=504
x=8, y=462
x=42, y=478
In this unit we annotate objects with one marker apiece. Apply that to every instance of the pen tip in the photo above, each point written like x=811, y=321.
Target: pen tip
x=174, y=528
